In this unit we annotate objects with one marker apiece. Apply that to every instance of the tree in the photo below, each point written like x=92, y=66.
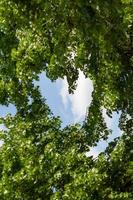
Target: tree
x=39, y=159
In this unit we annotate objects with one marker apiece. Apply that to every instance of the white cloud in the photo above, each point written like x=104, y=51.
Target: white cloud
x=108, y=120
x=1, y=143
x=3, y=127
x=93, y=152
x=64, y=92
x=81, y=98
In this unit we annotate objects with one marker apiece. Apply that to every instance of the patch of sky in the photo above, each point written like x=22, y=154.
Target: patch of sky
x=112, y=124
x=72, y=107
x=10, y=109
x=51, y=92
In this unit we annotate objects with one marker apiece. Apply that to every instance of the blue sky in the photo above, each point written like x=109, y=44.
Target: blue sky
x=71, y=108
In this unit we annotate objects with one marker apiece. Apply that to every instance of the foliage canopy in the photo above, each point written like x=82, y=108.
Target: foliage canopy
x=39, y=159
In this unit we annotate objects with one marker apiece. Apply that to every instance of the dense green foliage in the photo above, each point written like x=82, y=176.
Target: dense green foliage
x=40, y=160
